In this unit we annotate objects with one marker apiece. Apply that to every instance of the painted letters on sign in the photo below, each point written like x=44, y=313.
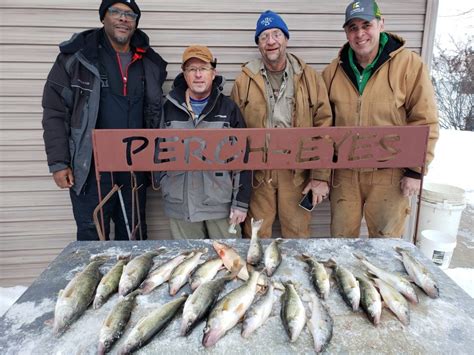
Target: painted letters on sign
x=259, y=149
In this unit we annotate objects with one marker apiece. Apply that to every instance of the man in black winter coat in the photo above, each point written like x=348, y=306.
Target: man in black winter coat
x=104, y=78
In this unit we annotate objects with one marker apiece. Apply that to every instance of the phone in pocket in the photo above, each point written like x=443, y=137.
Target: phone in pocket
x=307, y=201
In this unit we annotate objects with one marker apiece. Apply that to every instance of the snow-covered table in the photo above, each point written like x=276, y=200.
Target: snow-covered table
x=443, y=325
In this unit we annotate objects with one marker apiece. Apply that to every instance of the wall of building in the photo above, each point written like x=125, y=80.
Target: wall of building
x=36, y=221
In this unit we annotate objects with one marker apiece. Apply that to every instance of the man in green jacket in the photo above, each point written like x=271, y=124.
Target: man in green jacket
x=376, y=81
x=279, y=90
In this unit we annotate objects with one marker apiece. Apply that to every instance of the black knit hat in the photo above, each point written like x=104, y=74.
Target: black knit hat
x=104, y=6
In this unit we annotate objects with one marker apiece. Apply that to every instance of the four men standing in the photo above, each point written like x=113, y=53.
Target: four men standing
x=111, y=78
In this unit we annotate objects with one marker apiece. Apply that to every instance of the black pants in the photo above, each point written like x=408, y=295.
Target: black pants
x=83, y=206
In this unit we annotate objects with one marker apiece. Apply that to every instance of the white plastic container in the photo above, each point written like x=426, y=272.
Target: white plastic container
x=441, y=208
x=437, y=246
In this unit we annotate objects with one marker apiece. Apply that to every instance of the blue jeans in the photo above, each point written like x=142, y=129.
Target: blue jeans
x=83, y=206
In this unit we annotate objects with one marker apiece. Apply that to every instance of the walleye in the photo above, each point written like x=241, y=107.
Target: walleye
x=319, y=276
x=320, y=324
x=370, y=299
x=230, y=257
x=110, y=282
x=258, y=312
x=401, y=284
x=229, y=310
x=272, y=256
x=136, y=270
x=199, y=304
x=116, y=321
x=292, y=312
x=180, y=274
x=419, y=273
x=162, y=273
x=205, y=272
x=150, y=325
x=74, y=299
x=255, y=252
x=348, y=285
x=394, y=301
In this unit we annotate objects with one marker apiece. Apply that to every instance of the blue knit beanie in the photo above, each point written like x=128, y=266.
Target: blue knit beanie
x=270, y=19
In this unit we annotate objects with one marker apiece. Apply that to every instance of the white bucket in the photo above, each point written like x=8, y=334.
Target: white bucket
x=441, y=208
x=437, y=246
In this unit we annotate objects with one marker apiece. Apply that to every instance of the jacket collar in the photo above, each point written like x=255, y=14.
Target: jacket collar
x=253, y=67
x=88, y=42
x=393, y=46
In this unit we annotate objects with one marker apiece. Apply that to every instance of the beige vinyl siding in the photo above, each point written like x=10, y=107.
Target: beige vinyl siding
x=36, y=219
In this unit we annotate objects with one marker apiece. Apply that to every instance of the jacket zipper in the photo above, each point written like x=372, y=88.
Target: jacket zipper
x=201, y=117
x=125, y=76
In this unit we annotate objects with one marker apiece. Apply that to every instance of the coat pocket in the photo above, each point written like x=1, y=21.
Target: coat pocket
x=217, y=187
x=172, y=186
x=80, y=111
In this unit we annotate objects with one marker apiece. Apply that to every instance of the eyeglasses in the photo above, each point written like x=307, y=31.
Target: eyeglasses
x=276, y=35
x=116, y=14
x=195, y=70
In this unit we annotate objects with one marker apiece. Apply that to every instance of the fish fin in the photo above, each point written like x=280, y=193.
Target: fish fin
x=235, y=269
x=303, y=257
x=400, y=250
x=124, y=257
x=158, y=251
x=240, y=308
x=399, y=257
x=99, y=257
x=135, y=293
x=187, y=253
x=202, y=250
x=359, y=256
x=250, y=268
x=278, y=286
x=370, y=272
x=330, y=263
x=68, y=293
x=225, y=305
x=108, y=322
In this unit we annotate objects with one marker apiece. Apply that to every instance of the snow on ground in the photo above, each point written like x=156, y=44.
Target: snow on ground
x=463, y=277
x=450, y=166
x=451, y=163
x=8, y=296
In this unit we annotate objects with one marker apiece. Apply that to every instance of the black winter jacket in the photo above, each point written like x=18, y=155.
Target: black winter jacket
x=71, y=99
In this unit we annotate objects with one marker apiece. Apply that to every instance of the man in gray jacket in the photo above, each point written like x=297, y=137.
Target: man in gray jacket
x=203, y=204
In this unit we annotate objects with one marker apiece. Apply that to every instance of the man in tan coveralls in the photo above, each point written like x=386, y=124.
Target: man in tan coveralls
x=376, y=81
x=279, y=90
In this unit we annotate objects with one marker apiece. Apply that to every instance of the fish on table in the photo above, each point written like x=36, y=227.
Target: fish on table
x=136, y=270
x=78, y=294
